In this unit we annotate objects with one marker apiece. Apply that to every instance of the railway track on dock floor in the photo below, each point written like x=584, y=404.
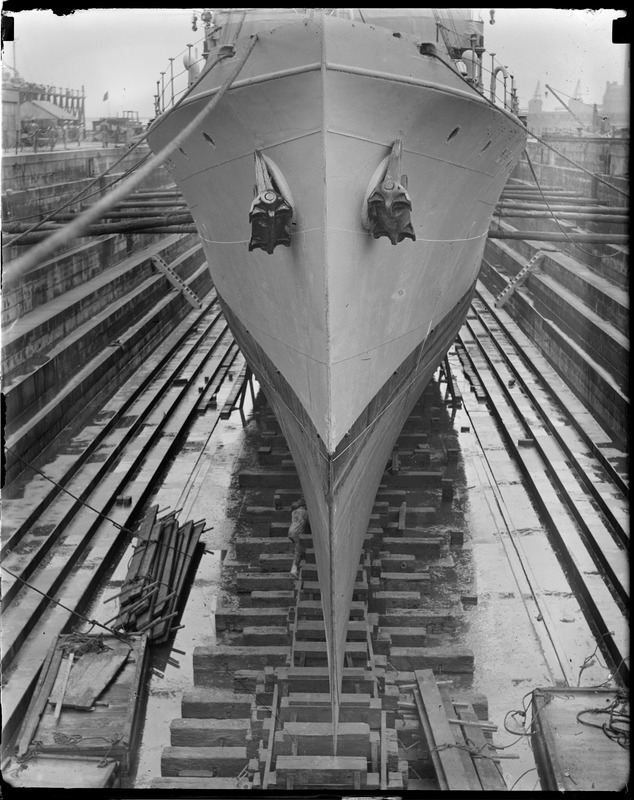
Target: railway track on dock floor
x=61, y=536
x=569, y=463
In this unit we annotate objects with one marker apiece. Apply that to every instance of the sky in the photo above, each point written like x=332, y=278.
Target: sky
x=123, y=51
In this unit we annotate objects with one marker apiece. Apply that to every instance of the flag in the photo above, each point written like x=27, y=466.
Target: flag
x=105, y=97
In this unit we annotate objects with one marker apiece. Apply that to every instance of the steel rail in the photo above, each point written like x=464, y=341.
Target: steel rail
x=599, y=539
x=598, y=594
x=97, y=441
x=525, y=378
x=94, y=481
x=100, y=549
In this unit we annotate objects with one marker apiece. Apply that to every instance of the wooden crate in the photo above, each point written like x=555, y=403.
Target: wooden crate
x=571, y=756
x=111, y=729
x=48, y=771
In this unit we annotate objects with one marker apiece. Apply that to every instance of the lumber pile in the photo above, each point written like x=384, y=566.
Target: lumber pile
x=155, y=582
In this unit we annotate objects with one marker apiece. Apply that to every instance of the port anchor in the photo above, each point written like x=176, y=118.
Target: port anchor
x=389, y=205
x=271, y=214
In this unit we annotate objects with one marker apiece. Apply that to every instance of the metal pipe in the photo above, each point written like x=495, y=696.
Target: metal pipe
x=535, y=191
x=620, y=219
x=117, y=226
x=585, y=208
x=537, y=198
x=34, y=238
x=556, y=236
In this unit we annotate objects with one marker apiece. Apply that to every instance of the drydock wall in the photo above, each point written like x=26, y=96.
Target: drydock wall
x=79, y=324
x=575, y=304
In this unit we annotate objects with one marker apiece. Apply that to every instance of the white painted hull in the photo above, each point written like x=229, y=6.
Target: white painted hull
x=343, y=330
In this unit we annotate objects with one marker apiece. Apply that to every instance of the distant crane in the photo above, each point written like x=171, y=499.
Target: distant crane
x=568, y=109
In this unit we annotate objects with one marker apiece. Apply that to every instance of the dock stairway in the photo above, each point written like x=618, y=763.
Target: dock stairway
x=78, y=326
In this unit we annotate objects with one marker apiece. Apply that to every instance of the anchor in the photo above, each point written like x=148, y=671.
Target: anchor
x=270, y=215
x=389, y=205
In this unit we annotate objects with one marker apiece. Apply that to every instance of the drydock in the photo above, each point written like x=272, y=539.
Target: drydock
x=149, y=490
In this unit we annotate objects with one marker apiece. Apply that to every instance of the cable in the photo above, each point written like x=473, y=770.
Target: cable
x=532, y=769
x=122, y=528
x=617, y=727
x=525, y=129
x=91, y=622
x=75, y=228
x=574, y=244
x=68, y=492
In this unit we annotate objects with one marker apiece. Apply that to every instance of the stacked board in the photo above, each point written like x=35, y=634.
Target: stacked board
x=156, y=578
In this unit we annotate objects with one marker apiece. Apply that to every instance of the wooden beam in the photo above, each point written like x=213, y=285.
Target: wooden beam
x=40, y=698
x=448, y=763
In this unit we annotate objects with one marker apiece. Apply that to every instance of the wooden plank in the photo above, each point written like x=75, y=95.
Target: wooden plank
x=144, y=535
x=161, y=633
x=322, y=770
x=133, y=722
x=90, y=675
x=490, y=776
x=467, y=762
x=156, y=567
x=171, y=544
x=74, y=773
x=450, y=770
x=271, y=743
x=182, y=546
x=43, y=688
x=69, y=666
x=383, y=779
x=237, y=387
x=401, y=516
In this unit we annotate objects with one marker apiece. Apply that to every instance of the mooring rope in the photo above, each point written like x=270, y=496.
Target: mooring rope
x=45, y=249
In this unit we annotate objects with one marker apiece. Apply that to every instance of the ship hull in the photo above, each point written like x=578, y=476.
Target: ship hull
x=343, y=330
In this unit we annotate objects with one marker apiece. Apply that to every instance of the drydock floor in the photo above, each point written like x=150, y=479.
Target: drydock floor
x=499, y=620
x=515, y=621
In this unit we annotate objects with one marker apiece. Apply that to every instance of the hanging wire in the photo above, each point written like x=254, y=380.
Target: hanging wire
x=532, y=769
x=105, y=517
x=525, y=129
x=82, y=193
x=583, y=250
x=92, y=622
x=74, y=229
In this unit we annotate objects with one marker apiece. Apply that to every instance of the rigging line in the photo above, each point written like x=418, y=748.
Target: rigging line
x=574, y=244
x=95, y=212
x=68, y=492
x=91, y=622
x=81, y=193
x=525, y=129
x=122, y=528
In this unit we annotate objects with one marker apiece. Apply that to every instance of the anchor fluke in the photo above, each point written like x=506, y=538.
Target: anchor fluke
x=389, y=205
x=271, y=214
